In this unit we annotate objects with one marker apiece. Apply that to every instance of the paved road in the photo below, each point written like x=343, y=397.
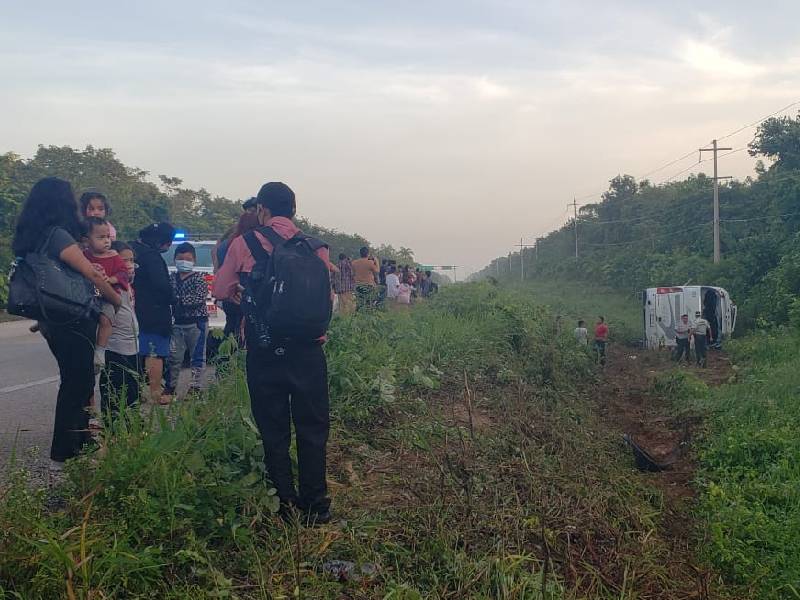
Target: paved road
x=28, y=387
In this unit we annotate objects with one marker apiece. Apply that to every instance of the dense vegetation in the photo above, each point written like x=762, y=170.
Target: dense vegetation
x=467, y=460
x=137, y=200
x=642, y=235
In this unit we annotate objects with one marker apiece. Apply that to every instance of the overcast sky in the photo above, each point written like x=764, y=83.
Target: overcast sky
x=451, y=127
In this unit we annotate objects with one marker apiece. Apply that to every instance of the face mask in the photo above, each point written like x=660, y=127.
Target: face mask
x=184, y=266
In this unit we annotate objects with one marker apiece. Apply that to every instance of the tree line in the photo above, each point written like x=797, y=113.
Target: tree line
x=138, y=199
x=643, y=235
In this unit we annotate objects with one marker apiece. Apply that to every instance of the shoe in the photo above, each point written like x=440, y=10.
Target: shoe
x=34, y=328
x=316, y=518
x=289, y=513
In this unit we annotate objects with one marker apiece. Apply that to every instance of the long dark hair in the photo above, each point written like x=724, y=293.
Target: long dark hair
x=51, y=203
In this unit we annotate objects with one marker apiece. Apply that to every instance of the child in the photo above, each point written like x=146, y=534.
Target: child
x=99, y=252
x=95, y=204
x=191, y=320
x=582, y=334
x=120, y=382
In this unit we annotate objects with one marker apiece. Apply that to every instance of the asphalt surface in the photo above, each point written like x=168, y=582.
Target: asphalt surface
x=28, y=388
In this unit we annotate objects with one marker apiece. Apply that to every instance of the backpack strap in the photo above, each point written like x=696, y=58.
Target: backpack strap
x=272, y=236
x=256, y=249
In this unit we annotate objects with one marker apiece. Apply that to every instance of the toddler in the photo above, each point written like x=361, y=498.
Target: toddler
x=99, y=253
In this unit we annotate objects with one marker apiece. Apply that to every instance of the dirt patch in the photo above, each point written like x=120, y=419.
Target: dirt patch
x=628, y=402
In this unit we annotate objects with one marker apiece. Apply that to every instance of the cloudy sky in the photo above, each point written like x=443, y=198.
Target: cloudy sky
x=452, y=127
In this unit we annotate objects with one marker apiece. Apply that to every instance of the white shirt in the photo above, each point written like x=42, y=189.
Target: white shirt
x=392, y=285
x=582, y=335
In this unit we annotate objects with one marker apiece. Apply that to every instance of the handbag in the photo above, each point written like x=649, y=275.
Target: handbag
x=47, y=289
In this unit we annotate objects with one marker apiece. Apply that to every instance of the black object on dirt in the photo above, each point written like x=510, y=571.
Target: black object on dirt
x=644, y=462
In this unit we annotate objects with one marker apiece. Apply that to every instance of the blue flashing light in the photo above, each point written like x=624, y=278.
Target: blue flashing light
x=179, y=235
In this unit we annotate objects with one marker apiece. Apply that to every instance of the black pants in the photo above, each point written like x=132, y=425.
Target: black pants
x=73, y=348
x=119, y=382
x=290, y=384
x=682, y=349
x=700, y=349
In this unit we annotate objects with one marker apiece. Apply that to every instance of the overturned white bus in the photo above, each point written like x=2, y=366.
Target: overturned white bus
x=662, y=308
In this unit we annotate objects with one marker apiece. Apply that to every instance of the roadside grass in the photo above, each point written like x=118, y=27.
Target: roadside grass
x=574, y=301
x=465, y=462
x=750, y=478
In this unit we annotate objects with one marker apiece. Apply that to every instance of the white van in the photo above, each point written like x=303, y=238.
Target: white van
x=662, y=308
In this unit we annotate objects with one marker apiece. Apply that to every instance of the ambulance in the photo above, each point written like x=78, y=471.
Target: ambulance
x=662, y=308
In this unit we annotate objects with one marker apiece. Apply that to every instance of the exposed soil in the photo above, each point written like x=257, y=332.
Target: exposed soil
x=628, y=402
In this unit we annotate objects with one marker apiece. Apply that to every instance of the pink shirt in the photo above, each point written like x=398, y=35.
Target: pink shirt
x=239, y=260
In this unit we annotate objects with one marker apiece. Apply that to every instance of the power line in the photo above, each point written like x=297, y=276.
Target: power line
x=761, y=120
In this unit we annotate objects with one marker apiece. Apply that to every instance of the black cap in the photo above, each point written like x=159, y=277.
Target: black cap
x=249, y=203
x=278, y=198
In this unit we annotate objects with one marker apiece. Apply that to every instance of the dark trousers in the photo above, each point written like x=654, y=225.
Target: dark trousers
x=600, y=348
x=682, y=349
x=700, y=348
x=233, y=319
x=73, y=348
x=290, y=384
x=119, y=382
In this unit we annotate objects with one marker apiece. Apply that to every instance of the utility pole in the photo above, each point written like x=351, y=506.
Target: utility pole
x=521, y=260
x=715, y=149
x=574, y=206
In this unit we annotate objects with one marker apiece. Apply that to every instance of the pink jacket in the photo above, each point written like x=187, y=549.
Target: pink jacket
x=239, y=260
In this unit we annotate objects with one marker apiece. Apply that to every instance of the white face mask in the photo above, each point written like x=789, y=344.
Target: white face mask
x=184, y=266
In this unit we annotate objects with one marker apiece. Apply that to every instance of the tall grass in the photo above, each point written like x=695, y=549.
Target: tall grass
x=465, y=462
x=751, y=473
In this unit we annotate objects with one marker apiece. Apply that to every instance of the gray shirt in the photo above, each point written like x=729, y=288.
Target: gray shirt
x=125, y=334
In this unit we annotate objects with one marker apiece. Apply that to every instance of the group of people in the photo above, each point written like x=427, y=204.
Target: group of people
x=600, y=337
x=698, y=331
x=149, y=317
x=365, y=282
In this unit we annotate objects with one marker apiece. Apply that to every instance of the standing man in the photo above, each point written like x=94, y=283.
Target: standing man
x=365, y=271
x=601, y=339
x=287, y=373
x=700, y=329
x=682, y=331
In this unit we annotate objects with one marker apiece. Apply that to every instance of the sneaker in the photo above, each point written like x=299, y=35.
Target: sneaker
x=34, y=328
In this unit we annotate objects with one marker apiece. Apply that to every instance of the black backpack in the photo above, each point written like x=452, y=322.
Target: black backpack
x=288, y=293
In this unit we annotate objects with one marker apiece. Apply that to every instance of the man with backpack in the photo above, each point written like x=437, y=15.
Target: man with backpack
x=287, y=308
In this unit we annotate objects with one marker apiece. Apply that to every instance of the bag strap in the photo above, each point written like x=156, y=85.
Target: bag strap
x=272, y=236
x=256, y=249
x=46, y=243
